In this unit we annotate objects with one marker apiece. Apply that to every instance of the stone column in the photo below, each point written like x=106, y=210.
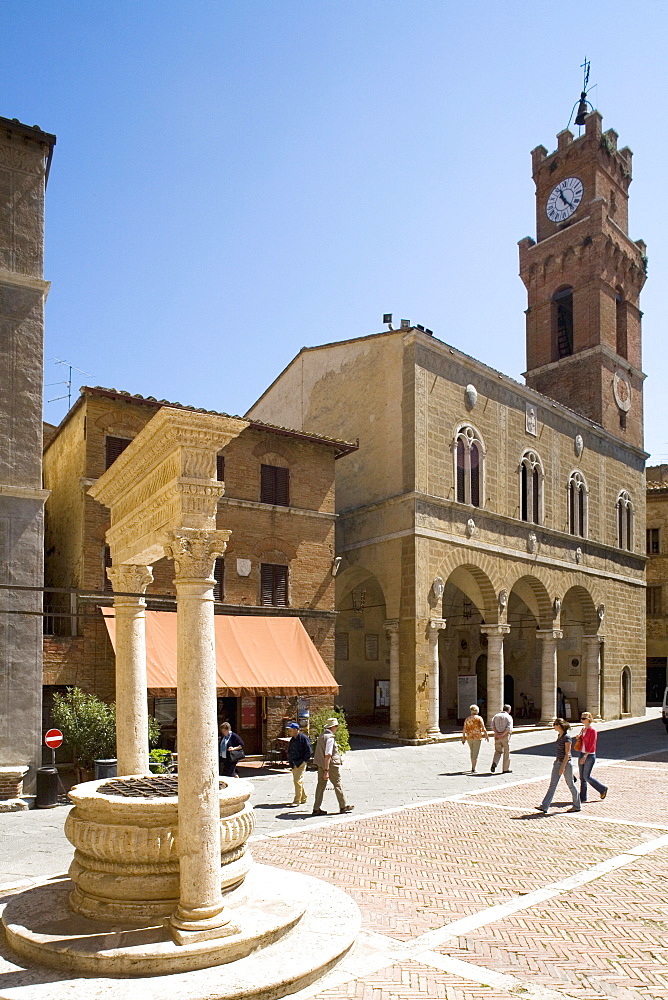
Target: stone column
x=433, y=630
x=548, y=674
x=392, y=629
x=495, y=668
x=200, y=913
x=592, y=658
x=131, y=689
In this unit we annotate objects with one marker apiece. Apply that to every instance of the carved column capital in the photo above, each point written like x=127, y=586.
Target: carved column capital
x=391, y=626
x=549, y=633
x=434, y=626
x=194, y=551
x=593, y=640
x=130, y=579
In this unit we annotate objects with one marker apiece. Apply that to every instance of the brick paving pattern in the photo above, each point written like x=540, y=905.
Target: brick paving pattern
x=637, y=792
x=418, y=869
x=412, y=981
x=607, y=938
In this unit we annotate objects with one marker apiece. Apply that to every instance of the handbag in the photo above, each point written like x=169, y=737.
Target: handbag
x=236, y=755
x=577, y=746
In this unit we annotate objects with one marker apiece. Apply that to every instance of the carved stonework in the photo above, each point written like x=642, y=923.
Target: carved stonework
x=130, y=579
x=195, y=551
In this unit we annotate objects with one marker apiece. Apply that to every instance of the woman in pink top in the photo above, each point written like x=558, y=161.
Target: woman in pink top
x=475, y=731
x=589, y=737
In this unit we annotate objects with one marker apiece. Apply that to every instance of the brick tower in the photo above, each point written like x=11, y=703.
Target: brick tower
x=583, y=275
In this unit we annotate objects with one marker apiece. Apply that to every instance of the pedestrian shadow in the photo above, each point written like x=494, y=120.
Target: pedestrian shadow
x=467, y=774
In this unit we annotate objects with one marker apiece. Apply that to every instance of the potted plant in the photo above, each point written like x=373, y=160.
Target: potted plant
x=89, y=729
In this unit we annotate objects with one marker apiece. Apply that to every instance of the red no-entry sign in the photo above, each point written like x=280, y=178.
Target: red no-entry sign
x=53, y=738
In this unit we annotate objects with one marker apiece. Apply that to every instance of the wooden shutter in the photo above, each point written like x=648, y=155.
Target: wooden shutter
x=536, y=496
x=275, y=485
x=107, y=587
x=220, y=468
x=115, y=446
x=461, y=488
x=267, y=584
x=219, y=577
x=475, y=475
x=281, y=586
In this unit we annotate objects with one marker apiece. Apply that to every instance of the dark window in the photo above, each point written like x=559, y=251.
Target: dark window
x=274, y=585
x=475, y=475
x=107, y=587
x=219, y=577
x=461, y=473
x=654, y=602
x=577, y=505
x=274, y=485
x=341, y=646
x=563, y=307
x=525, y=493
x=652, y=536
x=535, y=477
x=115, y=447
x=620, y=317
x=220, y=468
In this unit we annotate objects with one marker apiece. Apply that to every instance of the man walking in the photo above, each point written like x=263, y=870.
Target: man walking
x=327, y=759
x=502, y=727
x=299, y=754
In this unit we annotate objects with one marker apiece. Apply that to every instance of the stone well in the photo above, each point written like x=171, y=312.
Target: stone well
x=125, y=831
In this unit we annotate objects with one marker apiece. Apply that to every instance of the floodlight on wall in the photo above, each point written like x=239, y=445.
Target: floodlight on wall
x=336, y=563
x=405, y=324
x=387, y=318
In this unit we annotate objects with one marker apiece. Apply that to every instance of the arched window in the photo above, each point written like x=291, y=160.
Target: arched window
x=562, y=308
x=577, y=504
x=625, y=521
x=469, y=458
x=620, y=323
x=626, y=690
x=531, y=488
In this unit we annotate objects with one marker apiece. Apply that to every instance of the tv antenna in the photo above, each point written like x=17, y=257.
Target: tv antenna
x=67, y=382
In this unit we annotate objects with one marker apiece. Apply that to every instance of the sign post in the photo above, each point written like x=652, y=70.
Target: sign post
x=53, y=739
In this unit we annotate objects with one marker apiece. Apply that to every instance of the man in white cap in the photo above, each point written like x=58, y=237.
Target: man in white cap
x=327, y=759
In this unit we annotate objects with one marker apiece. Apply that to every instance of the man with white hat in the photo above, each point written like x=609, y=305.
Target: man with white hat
x=327, y=759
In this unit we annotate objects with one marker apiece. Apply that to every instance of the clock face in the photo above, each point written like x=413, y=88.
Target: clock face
x=564, y=199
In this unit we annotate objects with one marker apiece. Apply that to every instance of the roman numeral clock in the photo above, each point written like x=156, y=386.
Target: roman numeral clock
x=564, y=199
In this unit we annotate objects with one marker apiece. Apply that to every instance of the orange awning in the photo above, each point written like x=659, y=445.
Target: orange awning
x=254, y=655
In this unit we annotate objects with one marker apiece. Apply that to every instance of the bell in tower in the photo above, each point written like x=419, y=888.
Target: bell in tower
x=583, y=276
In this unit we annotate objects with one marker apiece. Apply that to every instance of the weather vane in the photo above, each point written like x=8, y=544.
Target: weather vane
x=583, y=103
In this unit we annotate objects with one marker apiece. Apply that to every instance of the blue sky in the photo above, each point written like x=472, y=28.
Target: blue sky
x=234, y=180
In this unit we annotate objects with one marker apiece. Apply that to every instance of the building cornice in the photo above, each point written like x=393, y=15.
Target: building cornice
x=25, y=492
x=18, y=280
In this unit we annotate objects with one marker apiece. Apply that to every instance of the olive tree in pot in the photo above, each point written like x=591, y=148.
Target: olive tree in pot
x=89, y=728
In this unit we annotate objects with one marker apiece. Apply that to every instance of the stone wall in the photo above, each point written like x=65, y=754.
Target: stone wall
x=23, y=155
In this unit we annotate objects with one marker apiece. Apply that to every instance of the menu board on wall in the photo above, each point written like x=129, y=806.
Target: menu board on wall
x=248, y=713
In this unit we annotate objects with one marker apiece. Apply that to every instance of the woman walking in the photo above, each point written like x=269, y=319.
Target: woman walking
x=562, y=768
x=230, y=751
x=589, y=736
x=474, y=732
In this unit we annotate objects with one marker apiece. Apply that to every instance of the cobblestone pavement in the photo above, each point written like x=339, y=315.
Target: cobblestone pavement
x=466, y=891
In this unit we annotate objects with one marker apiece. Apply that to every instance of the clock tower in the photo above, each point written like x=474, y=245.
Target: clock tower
x=583, y=276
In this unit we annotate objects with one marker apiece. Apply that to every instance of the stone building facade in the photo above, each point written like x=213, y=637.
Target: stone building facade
x=25, y=156
x=656, y=545
x=491, y=534
x=278, y=504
